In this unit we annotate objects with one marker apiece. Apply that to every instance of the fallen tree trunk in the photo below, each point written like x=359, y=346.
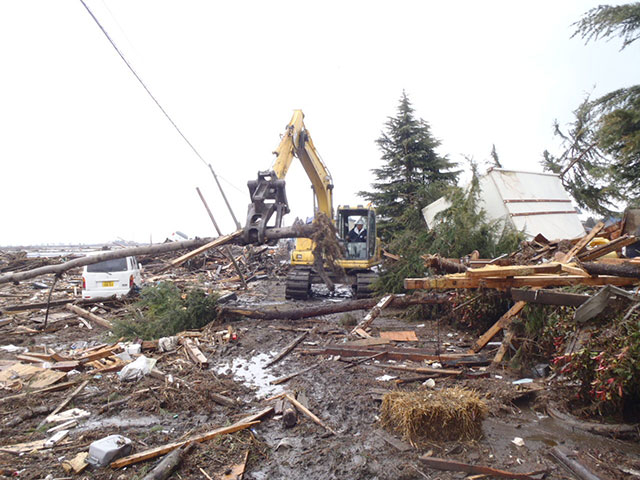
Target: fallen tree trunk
x=348, y=306
x=619, y=270
x=439, y=264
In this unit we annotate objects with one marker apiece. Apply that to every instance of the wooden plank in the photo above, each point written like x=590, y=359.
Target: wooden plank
x=584, y=241
x=94, y=355
x=400, y=354
x=504, y=346
x=513, y=270
x=424, y=370
x=287, y=349
x=400, y=336
x=612, y=246
x=549, y=297
x=502, y=322
x=452, y=282
x=156, y=452
x=77, y=464
x=286, y=378
x=367, y=342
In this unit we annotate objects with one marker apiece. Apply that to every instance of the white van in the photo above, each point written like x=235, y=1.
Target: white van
x=111, y=277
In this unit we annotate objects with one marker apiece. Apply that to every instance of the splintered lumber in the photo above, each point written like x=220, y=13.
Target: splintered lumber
x=169, y=463
x=308, y=413
x=502, y=322
x=327, y=309
x=549, y=297
x=620, y=270
x=77, y=464
x=91, y=259
x=563, y=455
x=156, y=452
x=194, y=353
x=581, y=245
x=88, y=315
x=370, y=317
x=464, y=282
x=287, y=349
x=612, y=246
x=236, y=471
x=439, y=264
x=453, y=466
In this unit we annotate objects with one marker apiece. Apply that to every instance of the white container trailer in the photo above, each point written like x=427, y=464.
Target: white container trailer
x=531, y=202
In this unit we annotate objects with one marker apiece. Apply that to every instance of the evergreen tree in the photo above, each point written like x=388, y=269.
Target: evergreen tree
x=494, y=157
x=601, y=162
x=413, y=173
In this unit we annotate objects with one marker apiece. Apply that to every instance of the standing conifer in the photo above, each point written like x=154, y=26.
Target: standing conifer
x=413, y=173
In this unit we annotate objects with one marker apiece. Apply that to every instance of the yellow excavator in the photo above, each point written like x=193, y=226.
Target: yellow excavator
x=356, y=225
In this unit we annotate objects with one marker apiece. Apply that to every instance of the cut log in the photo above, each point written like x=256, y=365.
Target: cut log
x=461, y=281
x=327, y=309
x=443, y=265
x=289, y=415
x=622, y=270
x=496, y=327
x=611, y=430
x=89, y=316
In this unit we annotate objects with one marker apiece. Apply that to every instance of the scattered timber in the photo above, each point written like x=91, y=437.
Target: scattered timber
x=451, y=465
x=612, y=246
x=563, y=456
x=287, y=350
x=55, y=303
x=460, y=281
x=582, y=243
x=347, y=306
x=88, y=315
x=502, y=322
x=424, y=370
x=371, y=316
x=110, y=255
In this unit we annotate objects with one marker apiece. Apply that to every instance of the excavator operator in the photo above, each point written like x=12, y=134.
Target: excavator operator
x=358, y=233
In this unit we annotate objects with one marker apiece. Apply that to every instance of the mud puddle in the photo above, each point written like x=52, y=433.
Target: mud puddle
x=253, y=373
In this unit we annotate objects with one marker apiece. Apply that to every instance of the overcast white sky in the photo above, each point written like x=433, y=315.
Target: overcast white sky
x=86, y=156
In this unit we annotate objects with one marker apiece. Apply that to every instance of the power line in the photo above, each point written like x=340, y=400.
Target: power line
x=149, y=92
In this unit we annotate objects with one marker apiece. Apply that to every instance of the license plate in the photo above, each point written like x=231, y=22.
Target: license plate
x=108, y=284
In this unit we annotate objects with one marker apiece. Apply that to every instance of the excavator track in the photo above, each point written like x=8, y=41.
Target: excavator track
x=298, y=285
x=364, y=284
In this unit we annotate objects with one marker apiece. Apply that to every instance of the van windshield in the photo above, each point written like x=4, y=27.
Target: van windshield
x=115, y=265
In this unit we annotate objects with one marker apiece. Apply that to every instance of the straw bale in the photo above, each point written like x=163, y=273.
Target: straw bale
x=442, y=415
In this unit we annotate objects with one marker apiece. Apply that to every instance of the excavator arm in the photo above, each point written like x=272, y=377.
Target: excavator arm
x=268, y=195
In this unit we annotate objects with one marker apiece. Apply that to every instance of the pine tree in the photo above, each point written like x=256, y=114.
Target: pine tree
x=601, y=162
x=413, y=173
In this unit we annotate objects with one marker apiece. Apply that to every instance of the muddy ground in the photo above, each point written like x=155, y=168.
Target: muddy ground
x=348, y=400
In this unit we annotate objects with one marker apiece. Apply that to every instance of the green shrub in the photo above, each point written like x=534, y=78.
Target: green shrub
x=163, y=310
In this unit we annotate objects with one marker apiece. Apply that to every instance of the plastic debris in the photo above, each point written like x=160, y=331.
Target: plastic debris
x=102, y=452
x=137, y=369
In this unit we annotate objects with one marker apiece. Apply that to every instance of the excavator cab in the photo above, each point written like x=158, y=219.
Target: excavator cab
x=357, y=231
